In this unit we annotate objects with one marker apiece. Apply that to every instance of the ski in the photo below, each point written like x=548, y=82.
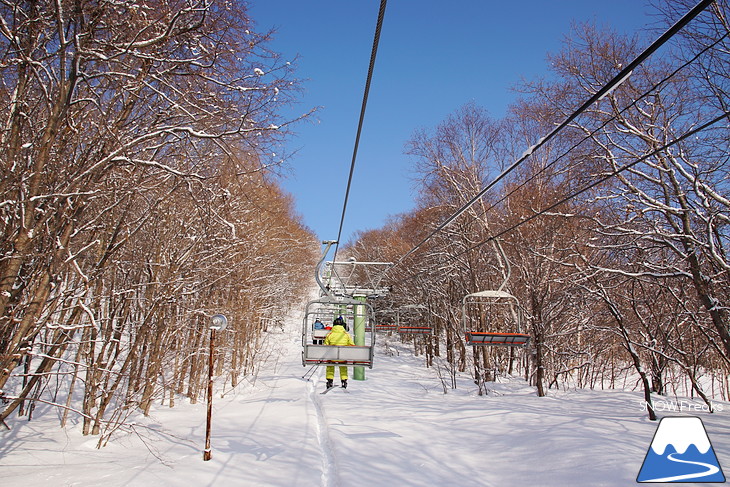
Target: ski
x=344, y=389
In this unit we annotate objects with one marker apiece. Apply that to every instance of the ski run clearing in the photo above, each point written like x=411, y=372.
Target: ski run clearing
x=396, y=428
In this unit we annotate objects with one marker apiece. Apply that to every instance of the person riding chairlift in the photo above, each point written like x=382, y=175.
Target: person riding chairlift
x=339, y=337
x=318, y=325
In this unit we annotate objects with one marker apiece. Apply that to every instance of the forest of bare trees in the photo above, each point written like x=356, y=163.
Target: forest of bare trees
x=139, y=196
x=615, y=232
x=137, y=199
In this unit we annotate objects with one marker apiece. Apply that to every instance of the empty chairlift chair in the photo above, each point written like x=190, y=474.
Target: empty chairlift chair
x=493, y=318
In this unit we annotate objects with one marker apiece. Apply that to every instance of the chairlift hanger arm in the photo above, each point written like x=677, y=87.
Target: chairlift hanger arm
x=505, y=260
x=317, y=270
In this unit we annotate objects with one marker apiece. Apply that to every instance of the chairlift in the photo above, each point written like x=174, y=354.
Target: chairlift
x=356, y=313
x=499, y=309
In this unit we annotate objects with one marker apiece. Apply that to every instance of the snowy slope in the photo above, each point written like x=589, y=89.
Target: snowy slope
x=395, y=428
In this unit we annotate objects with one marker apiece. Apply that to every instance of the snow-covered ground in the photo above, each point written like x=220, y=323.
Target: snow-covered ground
x=395, y=428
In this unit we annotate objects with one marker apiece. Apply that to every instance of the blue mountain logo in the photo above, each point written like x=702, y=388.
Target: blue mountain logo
x=680, y=452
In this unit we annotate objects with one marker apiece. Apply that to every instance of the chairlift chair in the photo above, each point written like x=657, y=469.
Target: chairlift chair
x=500, y=306
x=327, y=309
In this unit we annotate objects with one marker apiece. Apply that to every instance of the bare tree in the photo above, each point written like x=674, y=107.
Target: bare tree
x=134, y=156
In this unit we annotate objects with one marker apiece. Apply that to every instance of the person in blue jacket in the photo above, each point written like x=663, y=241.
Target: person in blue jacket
x=318, y=325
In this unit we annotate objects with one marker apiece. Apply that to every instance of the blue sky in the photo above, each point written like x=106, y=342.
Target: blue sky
x=434, y=56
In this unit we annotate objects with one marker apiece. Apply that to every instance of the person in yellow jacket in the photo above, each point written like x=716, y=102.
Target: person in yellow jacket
x=338, y=336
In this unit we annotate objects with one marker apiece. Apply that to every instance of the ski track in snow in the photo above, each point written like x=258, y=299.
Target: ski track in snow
x=329, y=470
x=329, y=462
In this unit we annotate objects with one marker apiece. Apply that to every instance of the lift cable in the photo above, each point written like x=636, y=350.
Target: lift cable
x=601, y=93
x=655, y=87
x=376, y=41
x=565, y=199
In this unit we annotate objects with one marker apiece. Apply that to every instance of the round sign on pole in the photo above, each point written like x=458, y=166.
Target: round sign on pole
x=219, y=322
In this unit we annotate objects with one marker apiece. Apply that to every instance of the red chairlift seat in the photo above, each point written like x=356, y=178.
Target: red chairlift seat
x=509, y=304
x=415, y=330
x=507, y=339
x=386, y=327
